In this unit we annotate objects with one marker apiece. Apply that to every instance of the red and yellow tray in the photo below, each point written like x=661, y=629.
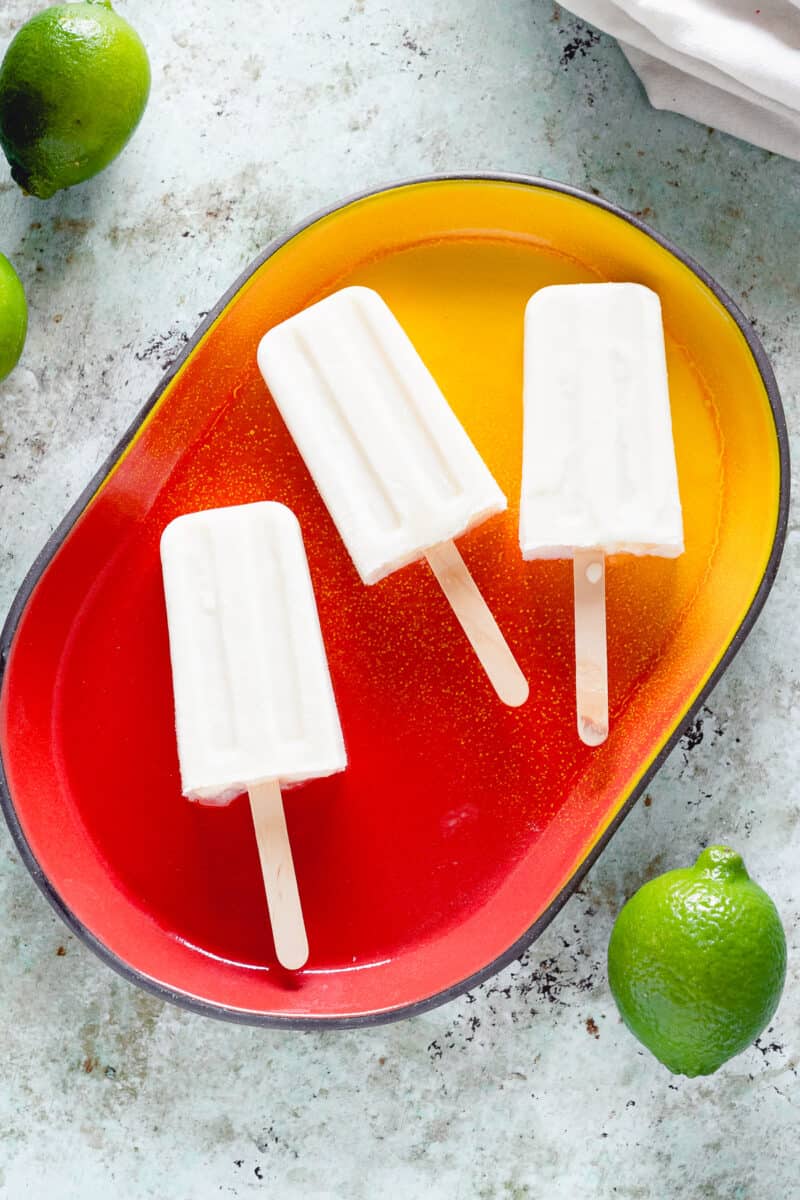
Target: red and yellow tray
x=460, y=826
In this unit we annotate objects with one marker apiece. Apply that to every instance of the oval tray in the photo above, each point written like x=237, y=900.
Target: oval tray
x=460, y=826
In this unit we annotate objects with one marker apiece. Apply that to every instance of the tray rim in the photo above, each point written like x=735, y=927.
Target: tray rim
x=58, y=536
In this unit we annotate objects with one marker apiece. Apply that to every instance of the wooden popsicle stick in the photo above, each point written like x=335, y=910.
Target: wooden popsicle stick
x=591, y=663
x=280, y=882
x=478, y=623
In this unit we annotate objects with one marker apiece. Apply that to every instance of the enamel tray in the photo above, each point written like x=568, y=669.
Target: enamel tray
x=460, y=826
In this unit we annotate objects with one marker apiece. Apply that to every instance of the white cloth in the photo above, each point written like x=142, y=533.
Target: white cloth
x=733, y=64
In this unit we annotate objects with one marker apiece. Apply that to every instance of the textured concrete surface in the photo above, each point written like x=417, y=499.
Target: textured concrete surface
x=260, y=113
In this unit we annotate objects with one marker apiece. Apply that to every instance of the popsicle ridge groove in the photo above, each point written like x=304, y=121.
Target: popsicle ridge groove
x=367, y=466
x=406, y=393
x=228, y=707
x=287, y=715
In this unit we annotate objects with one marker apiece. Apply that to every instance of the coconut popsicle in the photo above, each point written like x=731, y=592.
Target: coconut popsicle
x=254, y=704
x=392, y=462
x=599, y=475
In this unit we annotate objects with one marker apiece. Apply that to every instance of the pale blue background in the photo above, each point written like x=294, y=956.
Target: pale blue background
x=260, y=113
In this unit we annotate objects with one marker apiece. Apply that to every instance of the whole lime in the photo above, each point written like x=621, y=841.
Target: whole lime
x=697, y=962
x=13, y=317
x=73, y=86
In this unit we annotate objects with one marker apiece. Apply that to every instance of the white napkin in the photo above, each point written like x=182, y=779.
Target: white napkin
x=733, y=64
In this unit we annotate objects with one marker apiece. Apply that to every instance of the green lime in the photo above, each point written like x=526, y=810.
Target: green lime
x=13, y=317
x=73, y=86
x=697, y=962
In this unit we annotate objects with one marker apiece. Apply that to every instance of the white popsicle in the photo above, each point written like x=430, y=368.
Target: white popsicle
x=395, y=467
x=599, y=474
x=254, y=705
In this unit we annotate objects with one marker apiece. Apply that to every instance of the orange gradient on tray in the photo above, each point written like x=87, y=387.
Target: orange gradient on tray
x=458, y=821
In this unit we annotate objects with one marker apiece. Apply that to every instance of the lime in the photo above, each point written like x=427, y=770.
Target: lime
x=13, y=317
x=73, y=86
x=697, y=962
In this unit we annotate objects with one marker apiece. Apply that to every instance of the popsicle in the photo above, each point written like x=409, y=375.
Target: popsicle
x=254, y=704
x=599, y=474
x=394, y=465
